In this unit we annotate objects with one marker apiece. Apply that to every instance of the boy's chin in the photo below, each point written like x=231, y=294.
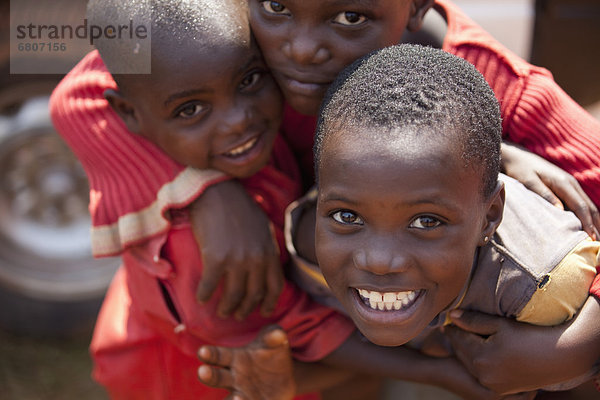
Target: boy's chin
x=384, y=340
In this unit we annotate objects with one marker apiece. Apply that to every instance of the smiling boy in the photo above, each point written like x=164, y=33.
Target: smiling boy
x=409, y=208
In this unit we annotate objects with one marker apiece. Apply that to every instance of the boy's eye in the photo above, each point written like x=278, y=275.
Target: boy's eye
x=349, y=18
x=190, y=110
x=275, y=7
x=250, y=80
x=425, y=222
x=346, y=217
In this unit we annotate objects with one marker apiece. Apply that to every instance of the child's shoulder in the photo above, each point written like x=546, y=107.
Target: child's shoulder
x=535, y=248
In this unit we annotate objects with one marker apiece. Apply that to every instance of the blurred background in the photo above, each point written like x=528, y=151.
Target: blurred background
x=51, y=288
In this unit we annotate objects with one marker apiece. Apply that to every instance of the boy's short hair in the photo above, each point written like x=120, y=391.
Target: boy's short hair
x=416, y=91
x=175, y=22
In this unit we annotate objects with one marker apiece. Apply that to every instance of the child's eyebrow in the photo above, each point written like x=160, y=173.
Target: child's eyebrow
x=365, y=3
x=182, y=94
x=326, y=197
x=252, y=59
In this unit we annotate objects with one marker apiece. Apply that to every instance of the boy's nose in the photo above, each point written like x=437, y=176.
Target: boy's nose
x=305, y=48
x=381, y=259
x=236, y=120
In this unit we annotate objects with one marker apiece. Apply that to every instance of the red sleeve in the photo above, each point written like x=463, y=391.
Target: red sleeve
x=132, y=182
x=595, y=289
x=536, y=112
x=551, y=124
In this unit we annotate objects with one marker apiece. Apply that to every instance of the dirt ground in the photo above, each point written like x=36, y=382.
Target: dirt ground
x=46, y=369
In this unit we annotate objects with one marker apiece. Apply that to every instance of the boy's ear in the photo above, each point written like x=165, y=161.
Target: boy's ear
x=123, y=108
x=418, y=10
x=494, y=214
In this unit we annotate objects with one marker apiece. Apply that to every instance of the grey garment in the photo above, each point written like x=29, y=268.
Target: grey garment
x=533, y=238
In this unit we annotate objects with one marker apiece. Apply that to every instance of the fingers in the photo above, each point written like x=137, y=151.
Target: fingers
x=274, y=337
x=215, y=377
x=216, y=355
x=234, y=291
x=254, y=294
x=465, y=346
x=539, y=187
x=585, y=210
x=576, y=200
x=273, y=286
x=475, y=322
x=211, y=275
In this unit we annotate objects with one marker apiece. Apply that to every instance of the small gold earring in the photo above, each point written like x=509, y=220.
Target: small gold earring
x=486, y=239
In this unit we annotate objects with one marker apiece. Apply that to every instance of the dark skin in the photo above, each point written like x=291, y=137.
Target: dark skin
x=480, y=341
x=261, y=370
x=225, y=260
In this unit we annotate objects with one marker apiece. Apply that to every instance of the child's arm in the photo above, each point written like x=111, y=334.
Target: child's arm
x=552, y=183
x=407, y=364
x=263, y=369
x=237, y=248
x=509, y=356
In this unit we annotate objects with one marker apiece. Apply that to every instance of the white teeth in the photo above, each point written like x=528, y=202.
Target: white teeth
x=242, y=148
x=389, y=297
x=376, y=297
x=373, y=304
x=387, y=300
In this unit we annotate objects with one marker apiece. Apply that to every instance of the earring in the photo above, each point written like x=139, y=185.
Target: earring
x=486, y=239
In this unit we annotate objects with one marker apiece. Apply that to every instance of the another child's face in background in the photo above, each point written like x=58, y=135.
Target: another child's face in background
x=306, y=43
x=217, y=108
x=396, y=231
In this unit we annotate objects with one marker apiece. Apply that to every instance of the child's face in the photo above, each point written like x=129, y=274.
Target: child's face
x=216, y=108
x=306, y=43
x=396, y=232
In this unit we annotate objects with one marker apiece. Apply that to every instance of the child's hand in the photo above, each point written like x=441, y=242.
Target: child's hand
x=237, y=246
x=508, y=356
x=457, y=380
x=550, y=181
x=262, y=370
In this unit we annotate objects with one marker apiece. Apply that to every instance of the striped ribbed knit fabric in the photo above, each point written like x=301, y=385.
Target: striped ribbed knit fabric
x=536, y=112
x=132, y=182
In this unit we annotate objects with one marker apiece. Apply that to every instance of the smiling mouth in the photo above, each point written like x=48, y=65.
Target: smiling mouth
x=388, y=301
x=242, y=149
x=305, y=88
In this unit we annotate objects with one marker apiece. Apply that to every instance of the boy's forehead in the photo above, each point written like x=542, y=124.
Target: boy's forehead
x=366, y=3
x=382, y=145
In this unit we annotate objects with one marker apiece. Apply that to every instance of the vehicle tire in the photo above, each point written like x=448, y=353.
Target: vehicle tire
x=49, y=282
